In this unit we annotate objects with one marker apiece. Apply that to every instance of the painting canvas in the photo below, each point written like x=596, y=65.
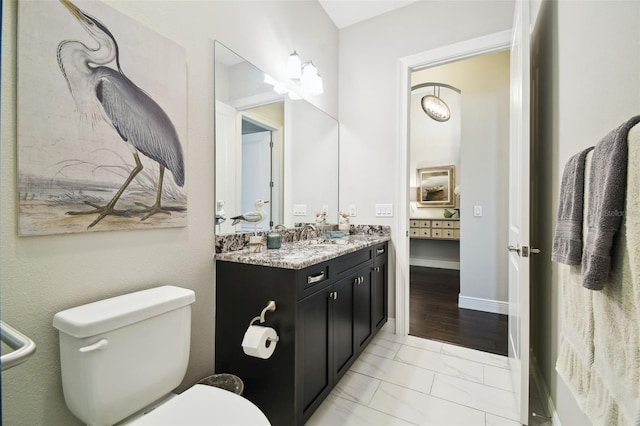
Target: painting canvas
x=101, y=121
x=435, y=186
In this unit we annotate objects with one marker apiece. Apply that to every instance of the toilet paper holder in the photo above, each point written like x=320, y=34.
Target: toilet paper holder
x=271, y=307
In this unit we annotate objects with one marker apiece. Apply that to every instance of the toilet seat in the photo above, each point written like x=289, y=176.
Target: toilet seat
x=205, y=405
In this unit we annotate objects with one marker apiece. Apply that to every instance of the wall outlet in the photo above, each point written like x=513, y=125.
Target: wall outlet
x=299, y=209
x=353, y=212
x=384, y=210
x=477, y=211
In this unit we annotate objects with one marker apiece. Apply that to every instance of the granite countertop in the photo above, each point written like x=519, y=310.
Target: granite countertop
x=301, y=254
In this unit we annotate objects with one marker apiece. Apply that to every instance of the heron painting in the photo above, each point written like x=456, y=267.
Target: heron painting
x=115, y=159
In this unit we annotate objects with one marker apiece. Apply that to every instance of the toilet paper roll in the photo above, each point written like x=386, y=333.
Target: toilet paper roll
x=256, y=341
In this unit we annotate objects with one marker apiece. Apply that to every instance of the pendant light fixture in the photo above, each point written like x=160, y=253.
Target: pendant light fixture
x=435, y=107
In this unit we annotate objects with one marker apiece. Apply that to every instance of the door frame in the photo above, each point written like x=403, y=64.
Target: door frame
x=454, y=52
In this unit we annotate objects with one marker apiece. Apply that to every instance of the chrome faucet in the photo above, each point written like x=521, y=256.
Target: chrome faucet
x=304, y=234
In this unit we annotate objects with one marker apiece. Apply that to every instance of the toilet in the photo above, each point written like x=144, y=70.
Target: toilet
x=122, y=357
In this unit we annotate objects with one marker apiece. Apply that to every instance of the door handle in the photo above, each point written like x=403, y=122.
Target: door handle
x=514, y=248
x=524, y=251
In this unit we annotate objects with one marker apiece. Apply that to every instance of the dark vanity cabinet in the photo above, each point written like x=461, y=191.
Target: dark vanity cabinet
x=325, y=316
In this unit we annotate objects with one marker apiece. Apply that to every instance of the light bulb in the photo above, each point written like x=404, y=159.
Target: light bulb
x=293, y=66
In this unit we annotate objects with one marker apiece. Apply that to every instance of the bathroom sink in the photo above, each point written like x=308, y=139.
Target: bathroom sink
x=319, y=242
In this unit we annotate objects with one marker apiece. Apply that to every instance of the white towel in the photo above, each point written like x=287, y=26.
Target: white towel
x=609, y=392
x=614, y=393
x=575, y=352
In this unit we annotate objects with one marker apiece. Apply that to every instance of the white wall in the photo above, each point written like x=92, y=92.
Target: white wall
x=368, y=58
x=575, y=64
x=43, y=275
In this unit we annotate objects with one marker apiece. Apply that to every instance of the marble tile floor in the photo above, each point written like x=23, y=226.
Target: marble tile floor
x=406, y=380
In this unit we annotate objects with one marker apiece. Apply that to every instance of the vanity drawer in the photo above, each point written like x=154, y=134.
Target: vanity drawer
x=436, y=233
x=414, y=223
x=448, y=233
x=380, y=250
x=425, y=232
x=349, y=261
x=448, y=223
x=415, y=232
x=436, y=223
x=312, y=279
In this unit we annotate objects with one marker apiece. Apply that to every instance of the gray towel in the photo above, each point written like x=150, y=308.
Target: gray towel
x=606, y=203
x=567, y=241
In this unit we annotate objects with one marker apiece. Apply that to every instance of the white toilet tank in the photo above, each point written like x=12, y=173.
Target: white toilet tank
x=119, y=355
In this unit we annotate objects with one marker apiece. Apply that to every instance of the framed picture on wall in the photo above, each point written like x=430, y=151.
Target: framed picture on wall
x=435, y=186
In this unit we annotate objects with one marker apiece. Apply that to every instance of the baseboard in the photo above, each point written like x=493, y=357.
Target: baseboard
x=543, y=391
x=486, y=305
x=432, y=263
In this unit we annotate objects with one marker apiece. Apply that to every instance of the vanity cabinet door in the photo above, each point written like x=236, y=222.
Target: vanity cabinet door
x=343, y=327
x=315, y=358
x=380, y=288
x=363, y=307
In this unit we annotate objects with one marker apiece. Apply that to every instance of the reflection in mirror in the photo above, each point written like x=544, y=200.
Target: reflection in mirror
x=272, y=148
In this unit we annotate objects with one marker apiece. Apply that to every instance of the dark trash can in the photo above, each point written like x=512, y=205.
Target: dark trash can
x=224, y=381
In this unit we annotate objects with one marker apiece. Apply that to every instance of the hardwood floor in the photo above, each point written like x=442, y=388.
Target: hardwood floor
x=434, y=313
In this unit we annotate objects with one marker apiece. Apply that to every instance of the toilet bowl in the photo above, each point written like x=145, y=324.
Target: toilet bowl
x=202, y=405
x=122, y=355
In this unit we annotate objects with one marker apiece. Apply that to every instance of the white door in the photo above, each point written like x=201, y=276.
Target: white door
x=256, y=175
x=519, y=250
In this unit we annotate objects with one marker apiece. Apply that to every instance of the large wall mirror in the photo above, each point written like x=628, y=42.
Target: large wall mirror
x=270, y=147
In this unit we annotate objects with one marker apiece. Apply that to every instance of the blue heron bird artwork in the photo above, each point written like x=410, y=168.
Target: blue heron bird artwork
x=101, y=121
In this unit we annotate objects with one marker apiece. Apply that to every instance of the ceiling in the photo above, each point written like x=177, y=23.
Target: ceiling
x=348, y=12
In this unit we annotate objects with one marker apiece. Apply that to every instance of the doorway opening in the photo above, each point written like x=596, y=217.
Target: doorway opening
x=260, y=179
x=457, y=210
x=473, y=239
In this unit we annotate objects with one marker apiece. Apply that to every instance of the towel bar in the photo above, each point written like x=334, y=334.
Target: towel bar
x=24, y=347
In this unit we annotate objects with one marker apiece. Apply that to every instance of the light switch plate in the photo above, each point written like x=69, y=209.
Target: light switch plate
x=299, y=209
x=477, y=211
x=353, y=212
x=384, y=210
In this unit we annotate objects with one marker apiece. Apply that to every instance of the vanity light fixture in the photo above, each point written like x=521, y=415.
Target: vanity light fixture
x=311, y=81
x=304, y=74
x=278, y=87
x=294, y=66
x=435, y=107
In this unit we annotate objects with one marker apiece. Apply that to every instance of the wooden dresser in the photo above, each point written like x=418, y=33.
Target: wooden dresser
x=446, y=229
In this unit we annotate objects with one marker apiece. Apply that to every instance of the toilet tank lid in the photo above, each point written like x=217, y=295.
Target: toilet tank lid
x=110, y=314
